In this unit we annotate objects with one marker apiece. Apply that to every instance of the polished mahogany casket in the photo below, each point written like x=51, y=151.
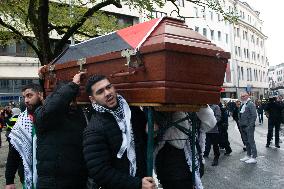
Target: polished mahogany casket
x=161, y=61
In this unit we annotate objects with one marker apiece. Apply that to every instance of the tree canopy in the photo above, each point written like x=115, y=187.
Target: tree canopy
x=37, y=21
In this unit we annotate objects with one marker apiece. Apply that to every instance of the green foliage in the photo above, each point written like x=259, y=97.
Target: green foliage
x=34, y=20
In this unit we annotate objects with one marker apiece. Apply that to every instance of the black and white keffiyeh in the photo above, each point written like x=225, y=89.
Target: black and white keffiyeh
x=22, y=139
x=172, y=136
x=122, y=115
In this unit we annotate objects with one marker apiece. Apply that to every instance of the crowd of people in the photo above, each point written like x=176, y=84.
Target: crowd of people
x=55, y=144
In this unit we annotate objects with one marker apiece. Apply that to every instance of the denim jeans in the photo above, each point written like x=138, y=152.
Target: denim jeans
x=248, y=136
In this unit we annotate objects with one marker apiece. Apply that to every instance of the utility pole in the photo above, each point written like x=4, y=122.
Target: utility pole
x=71, y=16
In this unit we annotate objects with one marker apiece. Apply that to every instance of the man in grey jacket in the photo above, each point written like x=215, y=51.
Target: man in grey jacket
x=247, y=117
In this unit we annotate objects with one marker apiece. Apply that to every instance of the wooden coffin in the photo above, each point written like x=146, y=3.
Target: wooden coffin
x=161, y=61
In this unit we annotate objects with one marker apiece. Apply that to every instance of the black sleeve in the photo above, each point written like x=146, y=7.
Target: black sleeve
x=55, y=105
x=12, y=165
x=98, y=159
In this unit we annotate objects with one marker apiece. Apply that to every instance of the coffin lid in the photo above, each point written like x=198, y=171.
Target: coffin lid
x=163, y=33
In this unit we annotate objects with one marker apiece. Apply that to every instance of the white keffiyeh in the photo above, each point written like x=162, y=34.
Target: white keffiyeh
x=23, y=141
x=122, y=115
x=172, y=136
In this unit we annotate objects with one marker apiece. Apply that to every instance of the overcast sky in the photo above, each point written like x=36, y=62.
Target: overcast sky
x=272, y=13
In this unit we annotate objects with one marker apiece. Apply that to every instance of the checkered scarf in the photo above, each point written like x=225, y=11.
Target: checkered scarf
x=122, y=115
x=24, y=142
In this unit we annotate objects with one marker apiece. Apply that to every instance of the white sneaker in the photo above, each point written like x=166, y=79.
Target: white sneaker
x=251, y=160
x=245, y=158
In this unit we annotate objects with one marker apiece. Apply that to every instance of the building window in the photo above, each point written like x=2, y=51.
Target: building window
x=242, y=73
x=196, y=11
x=219, y=36
x=247, y=53
x=239, y=51
x=245, y=35
x=239, y=73
x=196, y=29
x=158, y=14
x=211, y=15
x=205, y=32
x=227, y=38
x=4, y=83
x=212, y=34
x=257, y=41
x=248, y=77
x=236, y=50
x=238, y=32
x=180, y=3
x=219, y=17
x=252, y=39
x=203, y=13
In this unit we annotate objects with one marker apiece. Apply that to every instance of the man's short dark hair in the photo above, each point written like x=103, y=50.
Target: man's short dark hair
x=93, y=80
x=33, y=86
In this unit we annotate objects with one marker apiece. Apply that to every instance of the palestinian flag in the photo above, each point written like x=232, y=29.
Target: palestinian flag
x=128, y=38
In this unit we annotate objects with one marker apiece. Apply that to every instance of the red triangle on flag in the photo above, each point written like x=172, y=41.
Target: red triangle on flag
x=135, y=34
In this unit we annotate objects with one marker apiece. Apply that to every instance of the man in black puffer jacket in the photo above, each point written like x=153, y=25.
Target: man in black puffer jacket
x=114, y=141
x=59, y=129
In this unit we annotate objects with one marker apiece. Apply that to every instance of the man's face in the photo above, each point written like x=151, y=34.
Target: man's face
x=104, y=94
x=244, y=97
x=32, y=99
x=238, y=104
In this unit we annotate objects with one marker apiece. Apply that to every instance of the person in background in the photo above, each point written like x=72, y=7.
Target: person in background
x=273, y=110
x=213, y=137
x=235, y=114
x=259, y=108
x=247, y=117
x=172, y=154
x=223, y=130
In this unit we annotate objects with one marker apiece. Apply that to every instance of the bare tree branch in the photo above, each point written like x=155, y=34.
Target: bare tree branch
x=60, y=30
x=81, y=21
x=27, y=39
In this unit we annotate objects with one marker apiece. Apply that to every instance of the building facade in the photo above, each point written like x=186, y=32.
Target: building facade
x=276, y=76
x=247, y=70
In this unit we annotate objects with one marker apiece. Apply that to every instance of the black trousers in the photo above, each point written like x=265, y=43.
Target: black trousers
x=271, y=125
x=242, y=136
x=260, y=117
x=224, y=139
x=212, y=139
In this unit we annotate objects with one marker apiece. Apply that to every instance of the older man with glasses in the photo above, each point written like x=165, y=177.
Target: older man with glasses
x=247, y=118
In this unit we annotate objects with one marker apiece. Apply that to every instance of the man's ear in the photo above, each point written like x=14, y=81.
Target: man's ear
x=41, y=96
x=92, y=99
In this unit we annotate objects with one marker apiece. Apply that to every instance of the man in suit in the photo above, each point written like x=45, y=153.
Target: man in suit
x=247, y=117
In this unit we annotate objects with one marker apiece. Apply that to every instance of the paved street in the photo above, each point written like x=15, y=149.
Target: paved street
x=231, y=173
